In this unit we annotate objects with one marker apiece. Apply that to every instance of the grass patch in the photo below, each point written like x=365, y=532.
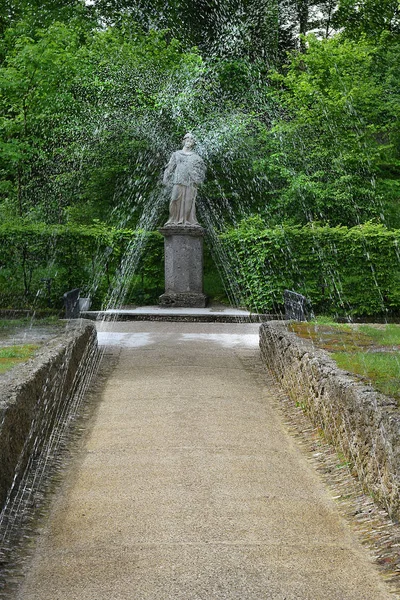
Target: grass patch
x=382, y=370
x=28, y=322
x=387, y=335
x=371, y=352
x=333, y=337
x=14, y=355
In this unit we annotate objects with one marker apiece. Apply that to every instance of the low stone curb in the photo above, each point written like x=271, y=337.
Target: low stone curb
x=209, y=318
x=362, y=423
x=33, y=394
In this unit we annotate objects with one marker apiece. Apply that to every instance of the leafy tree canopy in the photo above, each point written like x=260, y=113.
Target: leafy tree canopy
x=95, y=96
x=335, y=144
x=368, y=17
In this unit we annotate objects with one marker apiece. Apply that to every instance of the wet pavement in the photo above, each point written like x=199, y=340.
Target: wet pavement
x=189, y=487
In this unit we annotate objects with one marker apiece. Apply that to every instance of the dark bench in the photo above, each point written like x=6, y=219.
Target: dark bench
x=297, y=307
x=71, y=303
x=74, y=304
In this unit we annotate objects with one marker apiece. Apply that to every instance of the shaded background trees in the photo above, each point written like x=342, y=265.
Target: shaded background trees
x=295, y=104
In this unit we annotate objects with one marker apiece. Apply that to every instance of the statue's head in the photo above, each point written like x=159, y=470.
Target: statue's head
x=189, y=141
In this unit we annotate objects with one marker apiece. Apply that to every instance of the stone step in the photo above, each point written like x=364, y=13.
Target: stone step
x=200, y=315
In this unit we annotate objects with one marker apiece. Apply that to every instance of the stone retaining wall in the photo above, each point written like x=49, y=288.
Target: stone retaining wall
x=362, y=423
x=35, y=395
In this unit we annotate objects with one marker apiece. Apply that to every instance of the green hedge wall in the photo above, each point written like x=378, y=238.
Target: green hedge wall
x=344, y=271
x=85, y=257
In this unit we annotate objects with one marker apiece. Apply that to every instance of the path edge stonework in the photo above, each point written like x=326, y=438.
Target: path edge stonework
x=362, y=423
x=49, y=378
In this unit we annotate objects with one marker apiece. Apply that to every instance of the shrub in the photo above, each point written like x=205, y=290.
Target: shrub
x=88, y=258
x=344, y=271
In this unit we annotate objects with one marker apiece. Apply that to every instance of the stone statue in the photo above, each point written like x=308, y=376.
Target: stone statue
x=187, y=171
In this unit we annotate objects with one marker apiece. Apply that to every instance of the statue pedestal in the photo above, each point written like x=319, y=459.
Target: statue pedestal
x=183, y=266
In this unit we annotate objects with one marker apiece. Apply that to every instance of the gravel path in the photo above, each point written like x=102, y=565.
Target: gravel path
x=189, y=486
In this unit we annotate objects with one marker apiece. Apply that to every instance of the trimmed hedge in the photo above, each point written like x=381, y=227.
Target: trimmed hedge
x=85, y=257
x=344, y=271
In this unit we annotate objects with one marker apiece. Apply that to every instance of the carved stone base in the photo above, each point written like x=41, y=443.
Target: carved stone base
x=183, y=300
x=183, y=267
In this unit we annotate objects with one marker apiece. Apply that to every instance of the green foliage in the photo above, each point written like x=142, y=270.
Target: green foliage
x=89, y=118
x=17, y=351
x=89, y=115
x=80, y=110
x=344, y=271
x=82, y=257
x=368, y=17
x=13, y=355
x=334, y=152
x=233, y=28
x=10, y=326
x=389, y=335
x=147, y=284
x=364, y=350
x=381, y=369
x=87, y=257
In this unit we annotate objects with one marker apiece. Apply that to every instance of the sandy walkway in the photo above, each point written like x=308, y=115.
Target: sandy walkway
x=189, y=488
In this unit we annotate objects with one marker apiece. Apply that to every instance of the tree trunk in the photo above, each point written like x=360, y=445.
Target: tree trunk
x=302, y=14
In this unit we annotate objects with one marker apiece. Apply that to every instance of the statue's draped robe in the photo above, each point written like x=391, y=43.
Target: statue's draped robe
x=188, y=171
